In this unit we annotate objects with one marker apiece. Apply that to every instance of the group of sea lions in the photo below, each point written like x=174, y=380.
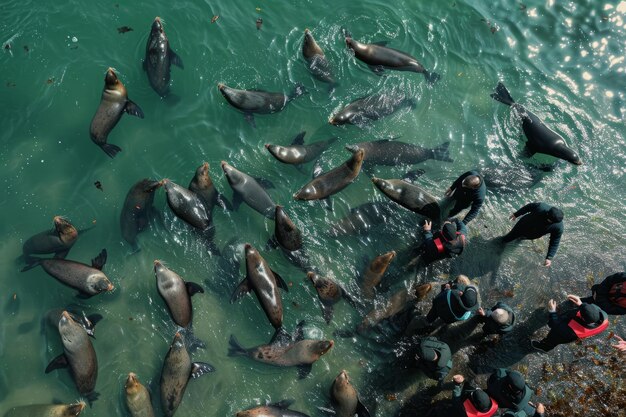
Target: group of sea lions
x=195, y=204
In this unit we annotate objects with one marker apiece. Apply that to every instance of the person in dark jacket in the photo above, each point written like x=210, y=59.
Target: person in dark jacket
x=434, y=359
x=468, y=400
x=586, y=321
x=446, y=243
x=610, y=294
x=456, y=302
x=539, y=411
x=468, y=189
x=500, y=319
x=509, y=390
x=536, y=220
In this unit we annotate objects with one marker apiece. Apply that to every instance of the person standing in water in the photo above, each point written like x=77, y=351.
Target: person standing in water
x=468, y=190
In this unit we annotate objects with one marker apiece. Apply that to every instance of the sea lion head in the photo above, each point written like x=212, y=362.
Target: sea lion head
x=570, y=156
x=68, y=328
x=75, y=409
x=280, y=152
x=352, y=148
x=341, y=118
x=232, y=174
x=99, y=283
x=65, y=230
x=314, y=278
x=178, y=342
x=157, y=25
x=320, y=347
x=342, y=379
x=310, y=48
x=132, y=383
x=350, y=42
x=383, y=260
x=110, y=79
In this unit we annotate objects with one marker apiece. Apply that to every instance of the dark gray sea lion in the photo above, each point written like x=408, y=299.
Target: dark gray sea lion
x=186, y=205
x=247, y=189
x=286, y=233
x=265, y=283
x=392, y=152
x=513, y=178
x=137, y=398
x=315, y=59
x=88, y=280
x=159, y=58
x=333, y=181
x=137, y=208
x=257, y=101
x=298, y=152
x=47, y=410
x=176, y=293
x=541, y=139
x=379, y=57
x=280, y=409
x=345, y=398
x=362, y=218
x=176, y=372
x=329, y=293
x=373, y=275
x=58, y=240
x=203, y=186
x=409, y=196
x=79, y=355
x=285, y=350
x=370, y=108
x=113, y=103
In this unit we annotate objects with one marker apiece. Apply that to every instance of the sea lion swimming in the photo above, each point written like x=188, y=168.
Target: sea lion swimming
x=329, y=293
x=286, y=233
x=137, y=398
x=186, y=205
x=203, y=186
x=47, y=410
x=316, y=61
x=113, y=103
x=247, y=189
x=373, y=275
x=58, y=240
x=159, y=58
x=137, y=208
x=279, y=409
x=392, y=152
x=379, y=57
x=541, y=139
x=409, y=196
x=176, y=293
x=298, y=152
x=370, y=108
x=345, y=398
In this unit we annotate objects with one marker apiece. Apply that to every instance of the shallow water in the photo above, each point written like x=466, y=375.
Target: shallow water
x=564, y=61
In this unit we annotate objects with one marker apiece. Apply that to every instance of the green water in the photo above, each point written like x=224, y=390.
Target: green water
x=565, y=61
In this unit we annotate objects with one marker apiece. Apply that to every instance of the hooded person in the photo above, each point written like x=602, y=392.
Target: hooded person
x=456, y=302
x=470, y=401
x=509, y=389
x=586, y=321
x=434, y=358
x=445, y=243
x=610, y=294
x=468, y=190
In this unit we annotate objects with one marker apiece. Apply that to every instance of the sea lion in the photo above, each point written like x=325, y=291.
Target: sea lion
x=88, y=280
x=137, y=398
x=113, y=103
x=176, y=293
x=374, y=273
x=186, y=205
x=329, y=293
x=298, y=152
x=362, y=218
x=286, y=233
x=541, y=139
x=258, y=101
x=247, y=189
x=513, y=178
x=316, y=61
x=137, y=208
x=279, y=409
x=265, y=283
x=53, y=316
x=345, y=398
x=392, y=152
x=397, y=303
x=203, y=186
x=47, y=410
x=58, y=240
x=159, y=58
x=79, y=355
x=333, y=181
x=176, y=372
x=379, y=57
x=285, y=350
x=409, y=196
x=370, y=108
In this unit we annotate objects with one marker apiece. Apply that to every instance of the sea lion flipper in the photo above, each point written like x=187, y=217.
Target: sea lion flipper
x=299, y=139
x=57, y=363
x=441, y=153
x=328, y=203
x=361, y=410
x=133, y=109
x=350, y=300
x=502, y=95
x=250, y=119
x=200, y=368
x=193, y=288
x=175, y=59
x=377, y=69
x=61, y=254
x=327, y=312
x=242, y=289
x=280, y=337
x=223, y=202
x=299, y=332
x=234, y=348
x=304, y=370
x=99, y=261
x=381, y=43
x=110, y=149
x=280, y=281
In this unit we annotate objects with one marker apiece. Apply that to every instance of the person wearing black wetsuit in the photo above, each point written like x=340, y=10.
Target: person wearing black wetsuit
x=434, y=359
x=610, y=294
x=468, y=189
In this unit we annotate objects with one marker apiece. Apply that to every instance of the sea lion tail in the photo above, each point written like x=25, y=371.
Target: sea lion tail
x=431, y=77
x=110, y=149
x=441, y=153
x=502, y=95
x=32, y=262
x=234, y=348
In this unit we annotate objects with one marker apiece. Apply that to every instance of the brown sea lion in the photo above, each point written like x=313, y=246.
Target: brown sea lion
x=137, y=398
x=113, y=103
x=137, y=208
x=379, y=57
x=79, y=355
x=176, y=293
x=47, y=410
x=316, y=60
x=397, y=303
x=298, y=152
x=374, y=273
x=345, y=398
x=265, y=283
x=284, y=350
x=203, y=186
x=176, y=372
x=159, y=58
x=88, y=280
x=333, y=181
x=279, y=409
x=58, y=240
x=329, y=293
x=286, y=233
x=409, y=196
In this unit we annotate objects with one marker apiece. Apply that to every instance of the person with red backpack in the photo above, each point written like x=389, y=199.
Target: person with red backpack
x=610, y=294
x=586, y=321
x=445, y=243
x=470, y=401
